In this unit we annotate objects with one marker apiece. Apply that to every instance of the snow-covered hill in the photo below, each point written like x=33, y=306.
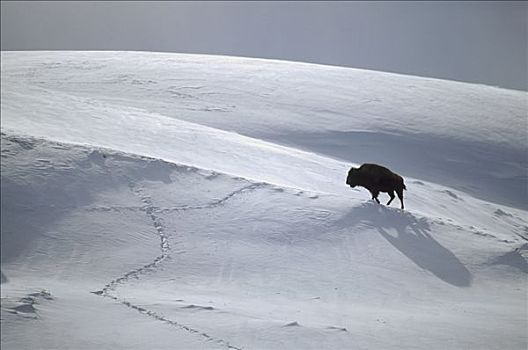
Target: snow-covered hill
x=156, y=201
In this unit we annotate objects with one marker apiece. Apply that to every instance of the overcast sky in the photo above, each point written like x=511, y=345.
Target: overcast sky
x=484, y=42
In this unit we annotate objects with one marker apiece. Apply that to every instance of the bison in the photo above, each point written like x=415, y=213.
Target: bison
x=376, y=179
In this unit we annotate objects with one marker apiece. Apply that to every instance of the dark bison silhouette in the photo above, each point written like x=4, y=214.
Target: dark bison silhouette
x=376, y=179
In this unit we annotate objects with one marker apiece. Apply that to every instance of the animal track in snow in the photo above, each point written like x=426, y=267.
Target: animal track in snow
x=114, y=208
x=164, y=243
x=212, y=204
x=174, y=323
x=156, y=221
x=151, y=211
x=473, y=230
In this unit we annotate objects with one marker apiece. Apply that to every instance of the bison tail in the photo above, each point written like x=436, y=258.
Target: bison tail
x=405, y=188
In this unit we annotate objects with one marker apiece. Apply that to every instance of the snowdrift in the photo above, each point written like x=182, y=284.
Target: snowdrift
x=182, y=201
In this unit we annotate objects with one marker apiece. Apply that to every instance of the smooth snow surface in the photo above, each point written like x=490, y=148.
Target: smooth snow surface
x=165, y=201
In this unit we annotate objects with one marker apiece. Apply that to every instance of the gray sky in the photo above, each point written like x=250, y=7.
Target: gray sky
x=484, y=42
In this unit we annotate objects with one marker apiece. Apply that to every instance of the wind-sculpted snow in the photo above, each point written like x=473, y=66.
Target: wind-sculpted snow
x=469, y=137
x=97, y=162
x=143, y=208
x=247, y=264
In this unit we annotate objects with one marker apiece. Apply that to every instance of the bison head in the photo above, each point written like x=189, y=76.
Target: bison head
x=352, y=178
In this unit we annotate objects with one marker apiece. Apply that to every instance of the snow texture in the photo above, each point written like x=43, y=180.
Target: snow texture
x=167, y=201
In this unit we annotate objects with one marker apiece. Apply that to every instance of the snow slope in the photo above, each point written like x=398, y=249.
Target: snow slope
x=344, y=113
x=155, y=201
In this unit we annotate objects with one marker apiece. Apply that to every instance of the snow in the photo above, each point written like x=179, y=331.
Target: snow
x=155, y=201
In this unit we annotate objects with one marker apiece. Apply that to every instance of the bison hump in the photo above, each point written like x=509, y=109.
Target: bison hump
x=375, y=169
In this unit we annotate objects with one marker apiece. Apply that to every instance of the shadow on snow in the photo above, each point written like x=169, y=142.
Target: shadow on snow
x=413, y=239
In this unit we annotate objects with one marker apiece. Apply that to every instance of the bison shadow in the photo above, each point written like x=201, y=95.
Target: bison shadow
x=413, y=239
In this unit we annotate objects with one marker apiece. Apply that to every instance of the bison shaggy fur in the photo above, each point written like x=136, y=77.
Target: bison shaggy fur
x=376, y=179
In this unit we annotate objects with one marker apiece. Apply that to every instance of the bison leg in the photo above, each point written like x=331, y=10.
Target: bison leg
x=399, y=192
x=391, y=194
x=375, y=195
